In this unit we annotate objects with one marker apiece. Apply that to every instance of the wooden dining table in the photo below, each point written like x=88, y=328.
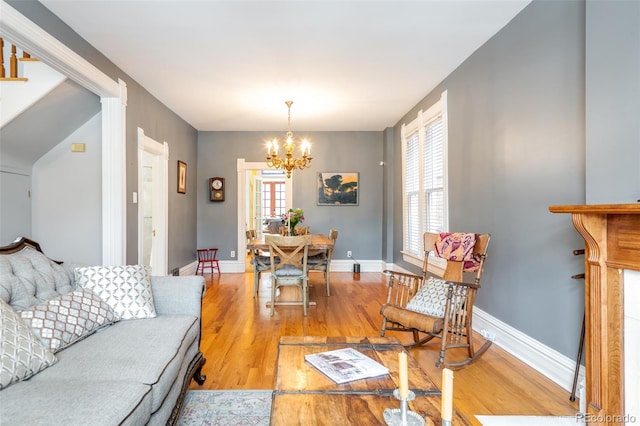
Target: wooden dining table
x=319, y=243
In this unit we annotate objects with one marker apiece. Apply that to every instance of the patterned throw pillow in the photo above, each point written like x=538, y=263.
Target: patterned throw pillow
x=21, y=353
x=127, y=289
x=60, y=322
x=430, y=298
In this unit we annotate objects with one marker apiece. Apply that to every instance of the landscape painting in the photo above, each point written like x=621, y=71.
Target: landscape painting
x=338, y=189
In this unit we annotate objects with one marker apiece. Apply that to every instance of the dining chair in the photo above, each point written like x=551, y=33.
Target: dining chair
x=301, y=230
x=260, y=261
x=290, y=269
x=207, y=258
x=322, y=261
x=439, y=303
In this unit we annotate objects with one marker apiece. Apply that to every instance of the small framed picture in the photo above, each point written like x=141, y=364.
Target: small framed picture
x=182, y=177
x=338, y=188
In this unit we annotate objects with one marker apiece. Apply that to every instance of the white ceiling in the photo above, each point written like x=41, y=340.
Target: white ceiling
x=230, y=65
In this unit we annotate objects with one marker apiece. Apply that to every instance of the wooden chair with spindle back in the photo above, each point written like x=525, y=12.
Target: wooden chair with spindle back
x=439, y=303
x=207, y=259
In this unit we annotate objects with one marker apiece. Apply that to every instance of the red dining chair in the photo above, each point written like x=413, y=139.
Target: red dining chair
x=207, y=258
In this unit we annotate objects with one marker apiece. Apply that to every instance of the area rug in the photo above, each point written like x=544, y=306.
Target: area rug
x=530, y=420
x=226, y=408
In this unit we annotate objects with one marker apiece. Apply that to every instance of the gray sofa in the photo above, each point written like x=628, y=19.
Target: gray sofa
x=132, y=372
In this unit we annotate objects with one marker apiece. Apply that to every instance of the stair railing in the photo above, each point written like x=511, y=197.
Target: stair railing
x=13, y=63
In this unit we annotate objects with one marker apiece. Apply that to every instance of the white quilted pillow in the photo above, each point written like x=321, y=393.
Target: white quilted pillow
x=127, y=289
x=430, y=298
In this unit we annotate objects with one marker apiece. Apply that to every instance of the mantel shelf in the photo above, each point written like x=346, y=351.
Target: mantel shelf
x=598, y=208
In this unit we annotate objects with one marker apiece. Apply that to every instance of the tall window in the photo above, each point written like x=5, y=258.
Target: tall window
x=424, y=178
x=273, y=199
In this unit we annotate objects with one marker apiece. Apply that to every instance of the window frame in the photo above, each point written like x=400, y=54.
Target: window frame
x=417, y=126
x=275, y=194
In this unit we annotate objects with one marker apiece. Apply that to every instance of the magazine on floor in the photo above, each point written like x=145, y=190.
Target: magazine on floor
x=346, y=365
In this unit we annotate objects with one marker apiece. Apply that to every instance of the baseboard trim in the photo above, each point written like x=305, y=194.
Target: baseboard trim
x=548, y=362
x=239, y=267
x=189, y=269
x=346, y=265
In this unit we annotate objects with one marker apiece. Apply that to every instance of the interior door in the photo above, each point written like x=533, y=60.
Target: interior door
x=257, y=203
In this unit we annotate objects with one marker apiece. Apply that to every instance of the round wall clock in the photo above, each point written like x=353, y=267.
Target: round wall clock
x=216, y=187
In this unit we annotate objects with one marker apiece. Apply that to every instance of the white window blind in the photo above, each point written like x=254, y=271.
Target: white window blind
x=424, y=178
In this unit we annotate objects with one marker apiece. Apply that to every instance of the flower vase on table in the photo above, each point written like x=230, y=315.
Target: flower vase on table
x=291, y=219
x=292, y=228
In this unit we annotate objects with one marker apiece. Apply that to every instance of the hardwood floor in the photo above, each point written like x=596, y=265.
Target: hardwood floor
x=240, y=339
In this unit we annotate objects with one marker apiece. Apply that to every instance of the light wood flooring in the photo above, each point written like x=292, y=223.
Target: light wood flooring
x=240, y=339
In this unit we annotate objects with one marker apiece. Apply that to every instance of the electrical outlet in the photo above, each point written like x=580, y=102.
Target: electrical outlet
x=349, y=253
x=233, y=253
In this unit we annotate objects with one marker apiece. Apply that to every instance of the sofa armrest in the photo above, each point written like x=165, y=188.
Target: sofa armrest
x=181, y=295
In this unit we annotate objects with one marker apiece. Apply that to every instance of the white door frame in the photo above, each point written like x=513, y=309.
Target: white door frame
x=160, y=151
x=113, y=96
x=241, y=168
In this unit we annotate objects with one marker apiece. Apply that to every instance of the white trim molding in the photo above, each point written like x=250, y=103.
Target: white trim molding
x=226, y=267
x=114, y=178
x=540, y=357
x=189, y=269
x=346, y=265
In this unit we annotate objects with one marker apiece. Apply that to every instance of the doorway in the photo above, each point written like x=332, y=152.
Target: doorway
x=153, y=190
x=266, y=200
x=250, y=204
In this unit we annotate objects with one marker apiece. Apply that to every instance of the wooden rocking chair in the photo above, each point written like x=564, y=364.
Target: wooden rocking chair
x=440, y=302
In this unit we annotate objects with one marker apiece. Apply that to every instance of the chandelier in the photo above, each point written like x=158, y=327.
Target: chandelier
x=288, y=163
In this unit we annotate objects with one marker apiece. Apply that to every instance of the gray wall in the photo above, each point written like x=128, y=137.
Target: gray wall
x=516, y=146
x=65, y=224
x=159, y=123
x=613, y=101
x=15, y=206
x=27, y=138
x=359, y=226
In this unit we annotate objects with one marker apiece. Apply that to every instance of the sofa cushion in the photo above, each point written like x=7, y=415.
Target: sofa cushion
x=28, y=277
x=127, y=289
x=149, y=351
x=76, y=403
x=21, y=353
x=61, y=322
